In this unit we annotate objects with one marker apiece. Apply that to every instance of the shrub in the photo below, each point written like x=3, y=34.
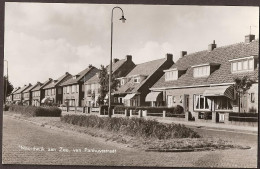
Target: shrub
x=133, y=127
x=6, y=107
x=33, y=111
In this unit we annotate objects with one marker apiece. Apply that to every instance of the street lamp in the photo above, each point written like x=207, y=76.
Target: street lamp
x=6, y=80
x=111, y=53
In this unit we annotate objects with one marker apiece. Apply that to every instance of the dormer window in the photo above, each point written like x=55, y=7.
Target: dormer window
x=242, y=64
x=171, y=74
x=201, y=70
x=122, y=82
x=137, y=80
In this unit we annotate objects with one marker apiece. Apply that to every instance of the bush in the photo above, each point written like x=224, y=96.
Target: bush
x=32, y=111
x=6, y=107
x=207, y=115
x=133, y=127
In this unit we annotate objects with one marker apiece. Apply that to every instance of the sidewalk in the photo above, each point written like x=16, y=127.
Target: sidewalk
x=216, y=126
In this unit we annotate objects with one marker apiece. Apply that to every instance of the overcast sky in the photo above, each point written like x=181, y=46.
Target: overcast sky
x=45, y=40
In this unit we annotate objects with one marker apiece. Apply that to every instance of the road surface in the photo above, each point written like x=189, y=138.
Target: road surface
x=26, y=143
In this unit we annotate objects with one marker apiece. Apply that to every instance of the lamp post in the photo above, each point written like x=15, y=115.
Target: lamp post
x=6, y=81
x=111, y=53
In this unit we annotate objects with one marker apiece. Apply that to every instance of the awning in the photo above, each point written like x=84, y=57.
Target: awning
x=153, y=96
x=129, y=96
x=227, y=91
x=45, y=100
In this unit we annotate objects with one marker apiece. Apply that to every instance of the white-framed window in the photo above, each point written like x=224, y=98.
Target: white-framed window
x=201, y=102
x=64, y=90
x=59, y=91
x=122, y=82
x=201, y=71
x=243, y=64
x=174, y=99
x=171, y=75
x=73, y=88
x=180, y=98
x=77, y=88
x=68, y=89
x=137, y=80
x=169, y=101
x=53, y=91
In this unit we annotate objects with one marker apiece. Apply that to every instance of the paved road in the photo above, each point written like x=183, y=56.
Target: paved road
x=19, y=133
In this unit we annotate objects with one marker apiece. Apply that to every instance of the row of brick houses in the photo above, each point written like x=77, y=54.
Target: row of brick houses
x=199, y=82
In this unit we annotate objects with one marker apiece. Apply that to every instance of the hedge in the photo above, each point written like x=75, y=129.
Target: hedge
x=132, y=126
x=243, y=117
x=33, y=111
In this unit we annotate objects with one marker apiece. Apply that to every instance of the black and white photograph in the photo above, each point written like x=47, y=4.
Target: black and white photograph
x=137, y=85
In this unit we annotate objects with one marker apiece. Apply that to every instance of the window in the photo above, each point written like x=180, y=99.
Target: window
x=64, y=90
x=244, y=64
x=59, y=91
x=77, y=88
x=53, y=91
x=174, y=99
x=223, y=103
x=201, y=103
x=201, y=71
x=171, y=75
x=73, y=89
x=252, y=97
x=68, y=89
x=122, y=82
x=136, y=80
x=180, y=98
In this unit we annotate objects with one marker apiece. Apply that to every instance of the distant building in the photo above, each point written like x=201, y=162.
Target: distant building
x=38, y=93
x=92, y=87
x=135, y=85
x=73, y=88
x=53, y=92
x=18, y=94
x=10, y=98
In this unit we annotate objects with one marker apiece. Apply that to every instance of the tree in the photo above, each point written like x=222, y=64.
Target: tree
x=7, y=90
x=104, y=84
x=241, y=86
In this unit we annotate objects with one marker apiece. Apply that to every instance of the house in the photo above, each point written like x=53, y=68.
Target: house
x=10, y=98
x=38, y=93
x=92, y=87
x=53, y=91
x=203, y=81
x=73, y=88
x=27, y=95
x=135, y=85
x=18, y=94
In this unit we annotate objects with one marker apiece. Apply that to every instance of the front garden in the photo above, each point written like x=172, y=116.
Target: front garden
x=149, y=135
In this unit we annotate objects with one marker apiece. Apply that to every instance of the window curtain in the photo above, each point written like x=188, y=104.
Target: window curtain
x=209, y=103
x=196, y=100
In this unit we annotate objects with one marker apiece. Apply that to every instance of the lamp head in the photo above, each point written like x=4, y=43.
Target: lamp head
x=123, y=19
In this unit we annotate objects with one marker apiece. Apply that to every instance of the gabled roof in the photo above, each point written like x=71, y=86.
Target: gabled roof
x=79, y=76
x=144, y=69
x=30, y=88
x=115, y=67
x=61, y=79
x=221, y=56
x=22, y=89
x=15, y=90
x=37, y=86
x=40, y=85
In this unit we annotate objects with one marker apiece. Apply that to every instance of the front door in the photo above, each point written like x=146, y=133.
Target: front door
x=186, y=103
x=243, y=103
x=169, y=101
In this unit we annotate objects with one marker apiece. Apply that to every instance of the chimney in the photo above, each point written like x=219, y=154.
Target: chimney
x=183, y=53
x=212, y=46
x=169, y=56
x=115, y=60
x=128, y=57
x=90, y=66
x=66, y=73
x=50, y=78
x=249, y=38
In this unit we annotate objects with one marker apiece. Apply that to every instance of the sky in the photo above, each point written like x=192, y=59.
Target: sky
x=45, y=40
